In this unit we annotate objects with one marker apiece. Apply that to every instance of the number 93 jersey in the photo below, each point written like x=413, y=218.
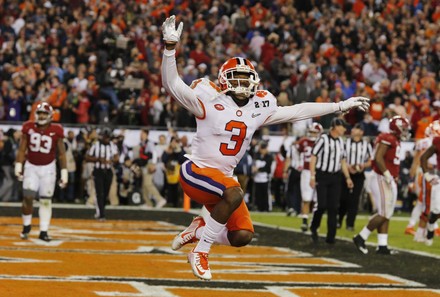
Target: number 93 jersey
x=42, y=143
x=225, y=130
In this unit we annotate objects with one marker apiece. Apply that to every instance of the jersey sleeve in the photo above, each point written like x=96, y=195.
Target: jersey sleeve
x=436, y=143
x=386, y=139
x=25, y=127
x=175, y=86
x=60, y=131
x=299, y=112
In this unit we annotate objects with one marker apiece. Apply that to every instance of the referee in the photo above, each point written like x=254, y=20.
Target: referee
x=103, y=153
x=326, y=163
x=359, y=153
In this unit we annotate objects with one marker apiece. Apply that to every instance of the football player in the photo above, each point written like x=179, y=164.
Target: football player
x=433, y=179
x=386, y=165
x=40, y=141
x=227, y=117
x=305, y=146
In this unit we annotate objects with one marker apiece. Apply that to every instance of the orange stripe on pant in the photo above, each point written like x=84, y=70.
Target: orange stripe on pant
x=206, y=186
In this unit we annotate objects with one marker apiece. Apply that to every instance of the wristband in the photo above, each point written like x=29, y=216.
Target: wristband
x=18, y=168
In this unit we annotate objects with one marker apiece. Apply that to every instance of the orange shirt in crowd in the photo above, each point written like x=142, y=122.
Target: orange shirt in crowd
x=422, y=124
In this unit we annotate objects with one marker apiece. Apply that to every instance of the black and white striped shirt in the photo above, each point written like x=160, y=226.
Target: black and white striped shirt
x=329, y=152
x=358, y=152
x=101, y=150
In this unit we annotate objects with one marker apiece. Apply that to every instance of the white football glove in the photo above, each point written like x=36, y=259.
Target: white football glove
x=360, y=102
x=431, y=178
x=170, y=34
x=388, y=177
x=64, y=178
x=18, y=171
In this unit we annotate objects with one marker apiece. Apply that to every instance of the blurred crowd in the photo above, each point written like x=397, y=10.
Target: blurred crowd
x=98, y=61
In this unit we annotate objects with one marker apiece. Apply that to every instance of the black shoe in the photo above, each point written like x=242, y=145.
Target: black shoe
x=330, y=241
x=315, y=236
x=384, y=250
x=304, y=227
x=360, y=244
x=25, y=233
x=44, y=236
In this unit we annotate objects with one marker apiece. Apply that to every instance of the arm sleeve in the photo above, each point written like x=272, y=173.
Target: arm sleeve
x=176, y=87
x=300, y=112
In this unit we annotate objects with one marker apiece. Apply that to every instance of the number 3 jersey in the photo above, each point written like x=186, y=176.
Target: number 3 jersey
x=392, y=156
x=225, y=130
x=42, y=143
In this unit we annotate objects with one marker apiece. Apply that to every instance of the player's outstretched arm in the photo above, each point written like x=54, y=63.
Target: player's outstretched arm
x=171, y=80
x=310, y=110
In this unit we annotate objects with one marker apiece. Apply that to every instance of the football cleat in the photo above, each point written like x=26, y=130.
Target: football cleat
x=384, y=250
x=304, y=227
x=199, y=265
x=360, y=244
x=44, y=236
x=188, y=235
x=25, y=233
x=410, y=231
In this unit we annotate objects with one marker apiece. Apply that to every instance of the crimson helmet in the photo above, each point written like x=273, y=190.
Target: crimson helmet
x=435, y=128
x=230, y=69
x=315, y=128
x=399, y=126
x=43, y=107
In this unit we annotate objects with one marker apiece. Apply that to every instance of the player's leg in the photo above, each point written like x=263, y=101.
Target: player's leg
x=222, y=195
x=390, y=192
x=47, y=179
x=30, y=188
x=434, y=214
x=307, y=193
x=378, y=188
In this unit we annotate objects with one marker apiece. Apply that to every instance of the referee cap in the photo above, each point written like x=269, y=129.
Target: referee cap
x=338, y=122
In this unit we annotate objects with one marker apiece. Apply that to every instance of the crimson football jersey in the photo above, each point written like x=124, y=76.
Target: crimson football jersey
x=392, y=156
x=42, y=143
x=436, y=143
x=305, y=146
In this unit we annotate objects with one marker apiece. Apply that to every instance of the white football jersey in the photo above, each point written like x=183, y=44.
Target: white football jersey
x=226, y=130
x=422, y=145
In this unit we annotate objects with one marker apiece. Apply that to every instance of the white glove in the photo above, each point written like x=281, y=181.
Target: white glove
x=64, y=178
x=18, y=171
x=360, y=102
x=388, y=177
x=431, y=178
x=170, y=34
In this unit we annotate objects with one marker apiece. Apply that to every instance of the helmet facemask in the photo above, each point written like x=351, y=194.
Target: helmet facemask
x=240, y=85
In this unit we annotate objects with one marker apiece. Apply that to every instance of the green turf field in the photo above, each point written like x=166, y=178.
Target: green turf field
x=397, y=238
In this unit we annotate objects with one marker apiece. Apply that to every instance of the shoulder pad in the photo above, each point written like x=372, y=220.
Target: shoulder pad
x=204, y=82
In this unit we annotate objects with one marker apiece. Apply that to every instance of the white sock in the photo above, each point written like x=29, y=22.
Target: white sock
x=222, y=237
x=365, y=233
x=27, y=219
x=209, y=235
x=415, y=214
x=382, y=239
x=420, y=232
x=45, y=213
x=431, y=227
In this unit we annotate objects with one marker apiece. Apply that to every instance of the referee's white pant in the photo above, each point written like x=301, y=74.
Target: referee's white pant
x=384, y=194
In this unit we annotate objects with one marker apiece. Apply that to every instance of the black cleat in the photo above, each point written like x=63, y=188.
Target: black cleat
x=304, y=227
x=384, y=250
x=25, y=233
x=360, y=244
x=44, y=236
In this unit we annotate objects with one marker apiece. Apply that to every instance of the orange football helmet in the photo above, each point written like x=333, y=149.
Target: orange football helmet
x=46, y=108
x=227, y=77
